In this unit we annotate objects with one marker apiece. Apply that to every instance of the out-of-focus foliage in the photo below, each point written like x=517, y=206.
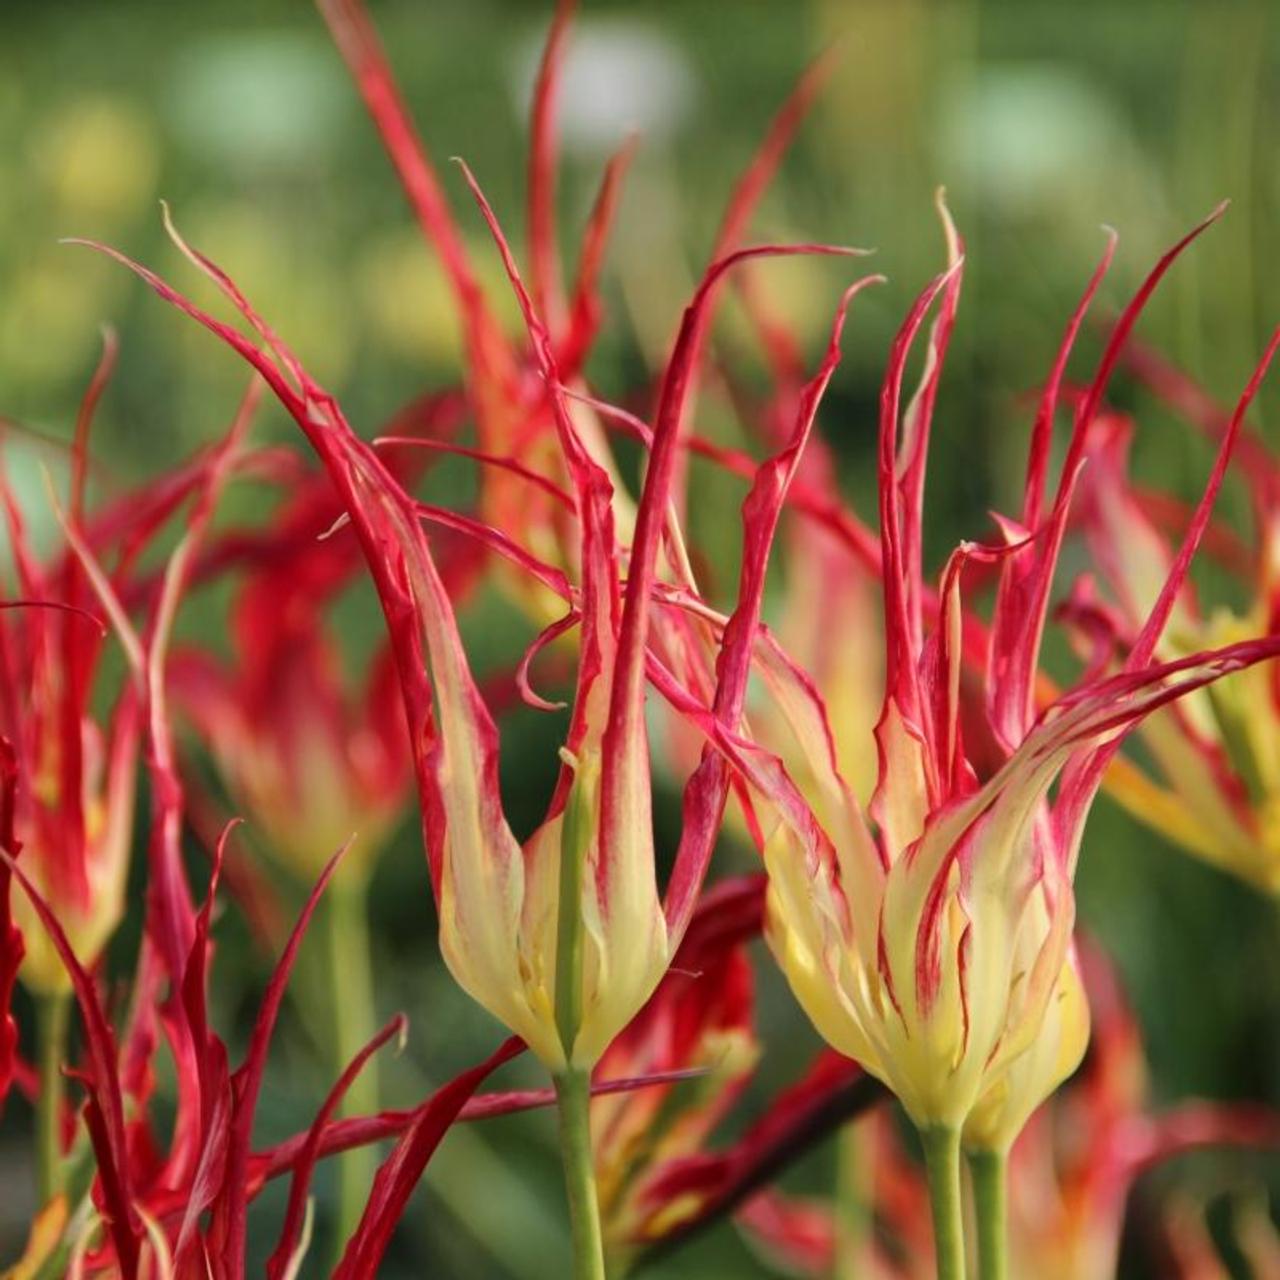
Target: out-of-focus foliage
x=1043, y=120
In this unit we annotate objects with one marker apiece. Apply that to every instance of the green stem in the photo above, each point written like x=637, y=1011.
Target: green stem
x=53, y=1020
x=942, y=1166
x=988, y=1169
x=354, y=1024
x=573, y=1095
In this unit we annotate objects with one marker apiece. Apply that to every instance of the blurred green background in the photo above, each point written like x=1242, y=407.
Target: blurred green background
x=1044, y=120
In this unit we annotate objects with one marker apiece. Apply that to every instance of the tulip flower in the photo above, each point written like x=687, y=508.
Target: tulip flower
x=1212, y=787
x=565, y=939
x=500, y=933
x=931, y=941
x=513, y=420
x=1072, y=1170
x=514, y=423
x=74, y=810
x=829, y=592
x=309, y=762
x=75, y=774
x=181, y=1209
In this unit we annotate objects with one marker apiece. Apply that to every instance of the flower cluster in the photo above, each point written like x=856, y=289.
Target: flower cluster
x=915, y=784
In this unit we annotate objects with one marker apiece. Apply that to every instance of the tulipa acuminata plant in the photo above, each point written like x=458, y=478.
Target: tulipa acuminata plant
x=930, y=939
x=562, y=940
x=917, y=891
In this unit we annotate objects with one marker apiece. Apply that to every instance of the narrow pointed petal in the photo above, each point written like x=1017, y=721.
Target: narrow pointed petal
x=295, y=1211
x=399, y=1175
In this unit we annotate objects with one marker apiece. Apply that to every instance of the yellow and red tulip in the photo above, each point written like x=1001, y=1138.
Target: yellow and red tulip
x=74, y=803
x=905, y=939
x=930, y=939
x=513, y=418
x=565, y=939
x=499, y=912
x=931, y=942
x=1213, y=787
x=179, y=1207
x=1071, y=1169
x=309, y=761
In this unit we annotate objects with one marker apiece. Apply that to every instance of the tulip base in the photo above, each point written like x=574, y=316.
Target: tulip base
x=942, y=1167
x=573, y=1097
x=53, y=1019
x=987, y=1170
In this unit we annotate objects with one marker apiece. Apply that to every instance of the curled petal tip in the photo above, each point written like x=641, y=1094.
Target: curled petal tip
x=336, y=527
x=171, y=228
